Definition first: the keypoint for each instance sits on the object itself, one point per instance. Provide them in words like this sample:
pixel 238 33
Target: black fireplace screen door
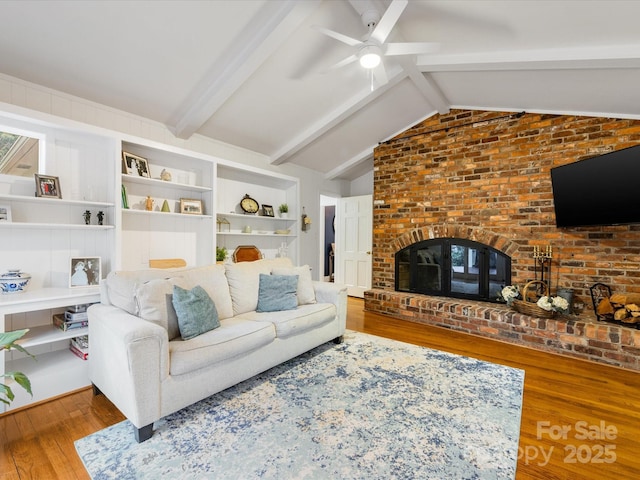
pixel 452 267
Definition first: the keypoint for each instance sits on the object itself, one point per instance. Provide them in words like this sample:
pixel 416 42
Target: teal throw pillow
pixel 196 311
pixel 277 292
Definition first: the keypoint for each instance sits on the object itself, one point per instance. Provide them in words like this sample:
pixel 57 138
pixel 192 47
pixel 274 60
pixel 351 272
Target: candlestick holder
pixel 542 260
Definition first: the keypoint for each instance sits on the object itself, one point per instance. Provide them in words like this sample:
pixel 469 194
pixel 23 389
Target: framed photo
pixel 5 213
pixel 85 272
pixel 267 210
pixel 135 165
pixel 47 186
pixel 191 206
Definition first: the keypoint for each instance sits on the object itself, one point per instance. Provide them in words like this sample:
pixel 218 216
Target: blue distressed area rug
pixel 370 408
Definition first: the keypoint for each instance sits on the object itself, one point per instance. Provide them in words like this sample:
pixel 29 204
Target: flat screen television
pixel 602 190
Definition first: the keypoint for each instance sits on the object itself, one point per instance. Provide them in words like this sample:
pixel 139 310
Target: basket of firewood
pixel 622 307
pixel 531 293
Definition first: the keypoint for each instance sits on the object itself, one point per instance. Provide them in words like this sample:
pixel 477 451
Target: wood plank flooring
pixel 37 443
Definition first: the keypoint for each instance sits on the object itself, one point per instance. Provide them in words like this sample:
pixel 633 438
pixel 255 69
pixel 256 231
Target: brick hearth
pixel 485 176
pixel 567 335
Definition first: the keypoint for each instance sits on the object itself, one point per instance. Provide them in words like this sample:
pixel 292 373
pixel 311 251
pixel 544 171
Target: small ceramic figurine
pixel 100 217
pixel 148 204
pixel 87 217
pixel 165 175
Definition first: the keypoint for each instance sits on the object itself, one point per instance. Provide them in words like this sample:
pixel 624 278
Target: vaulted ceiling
pixel 256 73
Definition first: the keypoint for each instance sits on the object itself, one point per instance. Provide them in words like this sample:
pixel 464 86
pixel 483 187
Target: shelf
pixel 57 201
pixel 50 374
pixel 130 211
pixel 256 234
pixel 42 298
pixel 48 334
pixel 254 217
pixel 53 226
pixel 161 183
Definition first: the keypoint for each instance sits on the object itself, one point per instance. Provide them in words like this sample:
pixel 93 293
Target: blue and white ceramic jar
pixel 14 281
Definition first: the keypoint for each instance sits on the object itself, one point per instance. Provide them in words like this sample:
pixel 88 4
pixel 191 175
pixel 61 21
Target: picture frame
pixel 135 165
pixel 47 186
pixel 267 210
pixel 5 213
pixel 85 272
pixel 191 206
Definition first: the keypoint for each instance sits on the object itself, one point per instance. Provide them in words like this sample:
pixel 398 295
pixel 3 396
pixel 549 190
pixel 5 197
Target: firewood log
pixel 604 307
pixel 625 298
pixel 620 314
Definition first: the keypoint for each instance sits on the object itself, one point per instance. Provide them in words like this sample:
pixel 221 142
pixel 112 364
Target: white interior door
pixel 354 218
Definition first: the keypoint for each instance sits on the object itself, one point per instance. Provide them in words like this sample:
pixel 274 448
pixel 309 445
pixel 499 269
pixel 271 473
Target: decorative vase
pixel 14 281
pixel 284 214
pixel 165 206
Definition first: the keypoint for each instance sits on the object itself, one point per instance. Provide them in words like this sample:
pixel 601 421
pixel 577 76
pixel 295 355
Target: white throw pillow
pixel 306 293
pixel 244 281
pixel 154 302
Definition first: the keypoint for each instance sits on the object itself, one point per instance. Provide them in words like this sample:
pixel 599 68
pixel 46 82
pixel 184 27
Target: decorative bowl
pixel 14 281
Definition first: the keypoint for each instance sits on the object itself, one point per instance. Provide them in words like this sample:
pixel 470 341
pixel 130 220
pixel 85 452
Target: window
pixel 452 267
pixel 18 154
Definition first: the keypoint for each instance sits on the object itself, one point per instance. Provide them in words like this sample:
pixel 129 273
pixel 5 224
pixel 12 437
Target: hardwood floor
pixel 37 443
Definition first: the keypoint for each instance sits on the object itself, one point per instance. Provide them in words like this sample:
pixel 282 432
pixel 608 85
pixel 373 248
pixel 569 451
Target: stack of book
pixel 73 317
pixel 80 346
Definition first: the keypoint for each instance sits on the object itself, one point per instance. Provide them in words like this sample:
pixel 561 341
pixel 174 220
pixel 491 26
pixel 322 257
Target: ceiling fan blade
pixel 410 48
pixel 338 36
pixel 342 63
pixel 380 74
pixel 388 20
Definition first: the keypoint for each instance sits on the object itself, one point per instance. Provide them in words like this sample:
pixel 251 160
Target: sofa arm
pixel 129 358
pixel 329 292
pixel 336 293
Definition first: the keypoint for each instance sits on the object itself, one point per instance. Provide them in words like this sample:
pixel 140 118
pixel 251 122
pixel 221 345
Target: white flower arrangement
pixel 510 293
pixel 557 304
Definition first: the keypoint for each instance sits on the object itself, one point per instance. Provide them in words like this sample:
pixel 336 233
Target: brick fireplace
pixel 484 176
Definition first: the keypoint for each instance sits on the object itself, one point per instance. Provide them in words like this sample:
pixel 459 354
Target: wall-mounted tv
pixel 602 190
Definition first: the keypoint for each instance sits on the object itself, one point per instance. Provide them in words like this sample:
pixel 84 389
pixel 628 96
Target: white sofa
pixel 139 360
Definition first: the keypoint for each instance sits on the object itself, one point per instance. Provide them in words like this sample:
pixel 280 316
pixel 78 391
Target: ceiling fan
pixel 369 52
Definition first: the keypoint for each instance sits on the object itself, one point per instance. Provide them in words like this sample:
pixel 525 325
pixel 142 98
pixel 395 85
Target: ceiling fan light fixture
pixel 370 56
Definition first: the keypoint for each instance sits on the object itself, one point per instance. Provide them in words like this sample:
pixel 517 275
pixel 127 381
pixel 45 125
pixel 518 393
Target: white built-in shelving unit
pixel 46 232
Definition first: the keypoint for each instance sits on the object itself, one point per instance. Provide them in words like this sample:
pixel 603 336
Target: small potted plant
pixel 284 210
pixel 221 254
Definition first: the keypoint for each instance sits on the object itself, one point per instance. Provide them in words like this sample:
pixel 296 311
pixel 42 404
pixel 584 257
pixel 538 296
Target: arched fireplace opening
pixel 452 267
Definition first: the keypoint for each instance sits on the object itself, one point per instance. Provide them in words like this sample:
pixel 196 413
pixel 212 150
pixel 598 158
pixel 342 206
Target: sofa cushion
pixel 122 285
pixel 233 338
pixel 277 292
pixel 294 322
pixel 196 311
pixel 214 281
pixel 153 298
pixel 305 292
pixel 244 281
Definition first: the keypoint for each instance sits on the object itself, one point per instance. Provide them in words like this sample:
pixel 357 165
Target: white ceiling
pixel 253 73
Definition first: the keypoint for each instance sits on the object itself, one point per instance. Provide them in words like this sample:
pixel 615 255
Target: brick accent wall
pixel 486 176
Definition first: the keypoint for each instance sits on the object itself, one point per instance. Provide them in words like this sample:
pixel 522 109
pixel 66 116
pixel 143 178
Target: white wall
pixel 24 94
pixel 362 185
